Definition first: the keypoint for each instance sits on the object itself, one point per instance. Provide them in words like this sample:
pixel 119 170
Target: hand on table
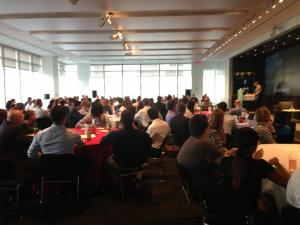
pixel 231 152
pixel 274 161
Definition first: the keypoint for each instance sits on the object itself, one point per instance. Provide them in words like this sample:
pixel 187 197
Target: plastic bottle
pixel 35 129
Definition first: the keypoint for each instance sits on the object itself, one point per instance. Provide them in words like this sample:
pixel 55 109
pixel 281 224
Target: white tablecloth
pixel 283 152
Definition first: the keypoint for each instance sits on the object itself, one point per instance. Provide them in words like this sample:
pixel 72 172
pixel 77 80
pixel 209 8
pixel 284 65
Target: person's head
pixel 237 103
pixel 62 102
pixel 20 106
pixel 127 117
pixel 29 116
pixel 159 99
pixel 153 113
pixel 217 120
pixel 263 115
pixel 191 105
pixel 96 110
pixel 3 115
pixel 29 99
pixel 146 102
pixel 246 140
pixel 39 103
pixel 222 106
pixel 9 104
pixel 104 102
pixel 198 125
pixel 171 105
pixel 181 108
pixel 185 100
pixel 15 117
pixel 255 83
pixel 77 105
pixel 59 115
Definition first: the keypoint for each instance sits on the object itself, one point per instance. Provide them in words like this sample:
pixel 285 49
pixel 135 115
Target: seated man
pixel 74 116
pixel 130 147
pixel 180 125
pixel 158 131
pixel 238 109
pixel 55 139
pixel 141 117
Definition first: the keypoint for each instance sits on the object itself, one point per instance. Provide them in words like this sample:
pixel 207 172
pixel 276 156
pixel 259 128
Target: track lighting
pixel 132 51
pixel 106 19
pixel 125 45
pixel 117 35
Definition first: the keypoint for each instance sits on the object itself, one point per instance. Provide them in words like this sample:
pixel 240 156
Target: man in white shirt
pixel 38 110
pixel 158 131
pixel 142 115
pixel 293 190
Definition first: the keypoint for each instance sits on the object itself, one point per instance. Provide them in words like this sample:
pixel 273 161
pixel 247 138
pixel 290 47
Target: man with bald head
pixel 13 142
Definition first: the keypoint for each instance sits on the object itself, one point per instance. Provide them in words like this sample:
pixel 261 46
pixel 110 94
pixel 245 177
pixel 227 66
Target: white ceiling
pixel 175 30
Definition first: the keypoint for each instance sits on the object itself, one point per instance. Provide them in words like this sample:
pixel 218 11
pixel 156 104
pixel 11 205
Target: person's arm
pixel 32 152
pixel 81 123
pixel 280 175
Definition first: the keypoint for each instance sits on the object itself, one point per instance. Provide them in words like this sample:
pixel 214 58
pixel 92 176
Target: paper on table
pixel 84 136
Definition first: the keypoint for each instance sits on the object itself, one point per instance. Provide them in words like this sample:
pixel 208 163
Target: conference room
pixel 150 112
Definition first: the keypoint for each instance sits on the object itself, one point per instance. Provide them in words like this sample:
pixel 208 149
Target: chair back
pixel 59 167
pixel 186 180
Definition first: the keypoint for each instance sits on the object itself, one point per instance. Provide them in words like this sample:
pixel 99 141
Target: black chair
pixel 60 169
pixel 129 172
pixel 290 215
pixel 8 182
pixel 187 192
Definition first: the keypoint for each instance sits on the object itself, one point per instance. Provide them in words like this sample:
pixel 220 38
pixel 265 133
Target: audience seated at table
pixel 141 117
pixel 131 146
pixel 158 130
pixel 55 139
pixel 171 106
pixel 95 118
pixel 243 173
pixel 74 115
pixel 216 135
pixel 180 125
pixel 264 126
pixel 238 109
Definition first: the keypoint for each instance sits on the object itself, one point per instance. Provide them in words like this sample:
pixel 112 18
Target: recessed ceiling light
pixel 263 51
pixel 255 50
pixel 245 28
pixel 235 35
pixel 273 47
pixel 281 1
pixel 259 17
pixel 253 21
pixel 284 43
pixel 240 32
pixel 276 41
pixel 289 35
pixel 267 12
pixel 255 54
pixel 274 6
pixel 297 38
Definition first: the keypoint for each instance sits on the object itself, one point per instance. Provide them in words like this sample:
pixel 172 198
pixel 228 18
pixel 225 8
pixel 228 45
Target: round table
pixel 291 111
pixel 284 152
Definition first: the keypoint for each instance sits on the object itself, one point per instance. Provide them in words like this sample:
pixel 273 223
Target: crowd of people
pixel 217 154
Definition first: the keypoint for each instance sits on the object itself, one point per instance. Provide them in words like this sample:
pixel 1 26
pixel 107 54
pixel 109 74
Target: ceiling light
pixel 297 38
pixel 117 35
pixel 284 43
pixel 273 48
pixel 74 1
pixel 259 17
pixel 253 21
pixel 281 1
pixel 240 32
pixel 106 18
pixel 125 45
pixel 274 6
pixel 235 35
pixel 267 12
pixel 289 35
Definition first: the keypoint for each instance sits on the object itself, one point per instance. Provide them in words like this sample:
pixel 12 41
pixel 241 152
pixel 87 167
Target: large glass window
pixel 96 80
pixel 2 88
pixel 113 81
pixel 131 81
pixel 68 81
pixel 168 79
pixel 214 85
pixel 150 81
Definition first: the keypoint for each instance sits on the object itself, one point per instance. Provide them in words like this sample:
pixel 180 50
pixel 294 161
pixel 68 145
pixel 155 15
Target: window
pixel 150 81
pixel 113 81
pixel 68 81
pixel 168 79
pixel 131 81
pixel 2 88
pixel 214 85
pixel 96 80
pixel 184 81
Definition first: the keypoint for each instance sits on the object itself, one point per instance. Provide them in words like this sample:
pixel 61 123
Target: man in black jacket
pixel 161 107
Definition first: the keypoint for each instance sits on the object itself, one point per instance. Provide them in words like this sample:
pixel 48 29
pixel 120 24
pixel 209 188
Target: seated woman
pixel 264 126
pixel 216 135
pixel 95 118
pixel 243 174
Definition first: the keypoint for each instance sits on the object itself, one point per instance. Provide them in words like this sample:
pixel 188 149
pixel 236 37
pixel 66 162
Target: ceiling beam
pixel 145 49
pixel 125 14
pixel 141 31
pixel 129 42
pixel 148 55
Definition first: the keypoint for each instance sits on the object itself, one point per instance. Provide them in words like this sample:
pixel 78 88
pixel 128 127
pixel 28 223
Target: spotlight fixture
pixel 106 19
pixel 132 51
pixel 125 45
pixel 74 1
pixel 281 1
pixel 117 35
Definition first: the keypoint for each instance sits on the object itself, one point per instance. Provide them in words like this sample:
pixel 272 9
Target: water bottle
pixel 88 134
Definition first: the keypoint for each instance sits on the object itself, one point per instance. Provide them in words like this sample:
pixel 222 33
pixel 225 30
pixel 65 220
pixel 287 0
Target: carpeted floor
pixel 155 203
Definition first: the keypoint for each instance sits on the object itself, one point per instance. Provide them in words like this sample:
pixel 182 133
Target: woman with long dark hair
pixel 243 173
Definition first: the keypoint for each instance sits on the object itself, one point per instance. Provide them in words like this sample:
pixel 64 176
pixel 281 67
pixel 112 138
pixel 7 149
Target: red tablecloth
pixel 96 155
pixel 207 113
